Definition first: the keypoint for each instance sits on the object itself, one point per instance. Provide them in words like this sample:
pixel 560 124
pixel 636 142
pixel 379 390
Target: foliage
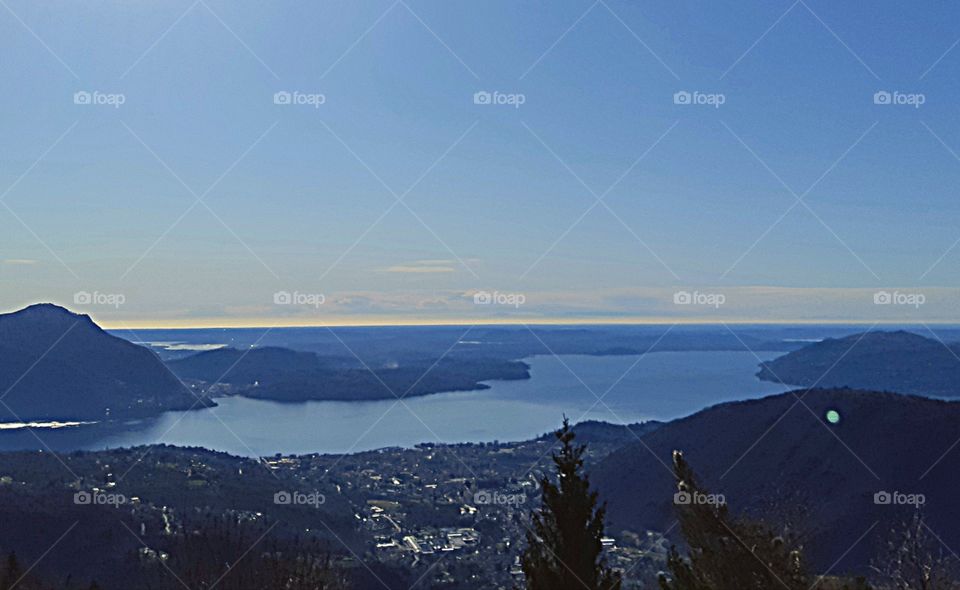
pixel 727 553
pixel 914 559
pixel 564 549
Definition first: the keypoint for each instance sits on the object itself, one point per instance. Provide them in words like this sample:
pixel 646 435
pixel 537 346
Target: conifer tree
pixel 564 549
pixel 727 553
pixel 12 572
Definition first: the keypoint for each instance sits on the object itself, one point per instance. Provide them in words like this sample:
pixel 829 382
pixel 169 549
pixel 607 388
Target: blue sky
pixel 495 197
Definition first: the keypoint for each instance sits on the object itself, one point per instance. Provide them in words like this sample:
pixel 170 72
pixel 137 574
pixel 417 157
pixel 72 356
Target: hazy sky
pixel 183 194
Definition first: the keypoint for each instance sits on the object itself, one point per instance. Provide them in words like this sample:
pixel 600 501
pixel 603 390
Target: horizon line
pixel 264 324
pixel 374 321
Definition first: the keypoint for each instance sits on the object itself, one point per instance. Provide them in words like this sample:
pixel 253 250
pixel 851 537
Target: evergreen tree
pixel 727 553
pixel 564 550
pixel 12 572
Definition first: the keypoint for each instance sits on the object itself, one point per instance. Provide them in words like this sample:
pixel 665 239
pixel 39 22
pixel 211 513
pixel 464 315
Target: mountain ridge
pixel 771 455
pixel 899 361
pixel 60 365
pixel 286 375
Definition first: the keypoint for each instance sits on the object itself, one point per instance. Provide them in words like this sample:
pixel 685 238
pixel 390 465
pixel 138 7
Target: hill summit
pixel 881 361
pixel 781 458
pixel 58 365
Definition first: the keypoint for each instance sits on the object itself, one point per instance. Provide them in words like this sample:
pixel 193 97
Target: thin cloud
pixel 423 266
pixel 19 261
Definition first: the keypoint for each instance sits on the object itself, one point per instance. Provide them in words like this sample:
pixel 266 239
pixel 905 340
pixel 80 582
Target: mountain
pixel 57 365
pixel 884 361
pixel 245 367
pixel 772 455
pixel 281 374
pixel 382 345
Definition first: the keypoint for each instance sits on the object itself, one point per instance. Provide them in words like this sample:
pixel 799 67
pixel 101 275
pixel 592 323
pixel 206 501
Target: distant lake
pixel 660 385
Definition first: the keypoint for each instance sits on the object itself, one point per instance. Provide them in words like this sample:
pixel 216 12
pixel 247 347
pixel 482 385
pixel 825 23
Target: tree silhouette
pixel 12 572
pixel 727 553
pixel 913 559
pixel 564 550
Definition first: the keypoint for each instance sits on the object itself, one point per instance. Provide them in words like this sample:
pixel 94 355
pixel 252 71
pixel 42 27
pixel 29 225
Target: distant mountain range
pixel 884 361
pixel 57 365
pixel 382 345
pixel 778 458
pixel 772 455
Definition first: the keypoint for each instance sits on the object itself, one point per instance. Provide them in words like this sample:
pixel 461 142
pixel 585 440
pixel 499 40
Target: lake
pixel 659 385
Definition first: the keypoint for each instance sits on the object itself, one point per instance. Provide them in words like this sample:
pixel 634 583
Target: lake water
pixel 660 385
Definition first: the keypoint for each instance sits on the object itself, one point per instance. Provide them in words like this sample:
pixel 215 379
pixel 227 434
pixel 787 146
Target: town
pixel 458 514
